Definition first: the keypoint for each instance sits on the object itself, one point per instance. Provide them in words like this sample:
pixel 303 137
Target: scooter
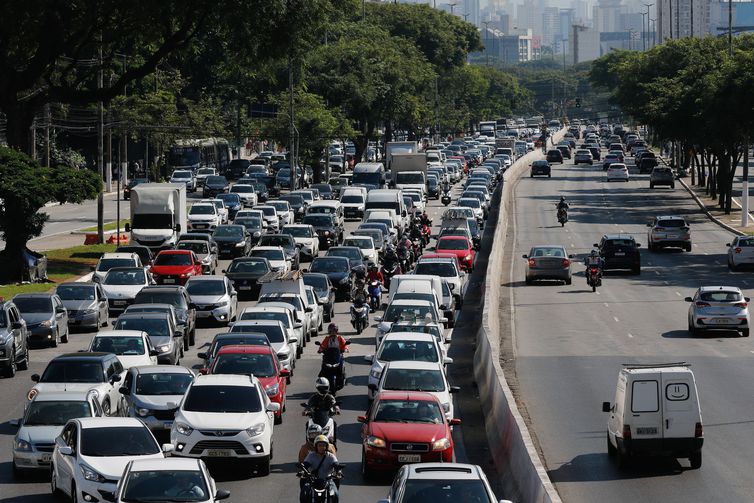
pixel 445 199
pixel 316 490
pixel 562 216
pixel 389 272
pixel 375 295
pixel 593 277
pixel 323 418
pixel 332 367
pixel 360 317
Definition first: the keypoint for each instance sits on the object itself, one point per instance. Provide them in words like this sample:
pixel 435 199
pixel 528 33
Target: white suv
pixel 226 416
pixel 203 217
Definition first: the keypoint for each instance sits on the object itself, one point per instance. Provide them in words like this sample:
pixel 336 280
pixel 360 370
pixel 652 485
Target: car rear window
pixel 721 296
pixel 614 243
pixel 671 223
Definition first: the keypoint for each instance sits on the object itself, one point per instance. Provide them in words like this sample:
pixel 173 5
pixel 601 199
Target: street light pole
pixel 647 5
pixel 452 6
pixel 730 27
pixel 487 41
pixel 653 31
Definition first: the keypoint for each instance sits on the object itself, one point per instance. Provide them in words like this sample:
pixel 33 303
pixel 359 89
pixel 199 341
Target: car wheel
pixel 365 472
pixel 651 185
pixel 64 339
pixel 106 407
pixel 528 280
pixel 692 330
pixel 24 365
pixel 672 185
pixel 696 460
pixel 568 281
pixel 185 344
pixel 688 247
pixel 192 336
pixel 74 493
pixel 263 467
pixel 56 339
pixel 54 489
pixel 745 332
pixel 10 370
pixel 621 459
pixel 611 450
pixel 636 270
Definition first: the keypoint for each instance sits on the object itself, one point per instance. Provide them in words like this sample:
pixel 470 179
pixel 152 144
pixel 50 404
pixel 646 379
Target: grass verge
pixel 110 226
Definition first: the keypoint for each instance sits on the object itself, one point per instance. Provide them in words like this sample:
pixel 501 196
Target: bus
pixel 199 153
pixel 487 128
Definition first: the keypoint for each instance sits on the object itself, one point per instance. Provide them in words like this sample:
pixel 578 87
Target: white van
pixel 388 199
pixel 353 200
pixel 326 207
pixel 656 411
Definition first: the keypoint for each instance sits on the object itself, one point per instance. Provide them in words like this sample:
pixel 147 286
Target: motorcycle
pixel 404 258
pixel 445 199
pixel 375 295
pixel 388 271
pixel 593 277
pixel 562 216
pixel 332 367
pixel 323 418
pixel 359 289
pixel 360 317
pixel 319 490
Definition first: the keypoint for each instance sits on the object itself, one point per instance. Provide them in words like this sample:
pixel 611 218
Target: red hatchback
pixel 175 267
pixel 262 362
pixel 459 246
pixel 405 427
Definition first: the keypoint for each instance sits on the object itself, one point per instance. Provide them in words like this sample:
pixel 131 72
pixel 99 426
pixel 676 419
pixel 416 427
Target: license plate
pixel 619 254
pixel 168 280
pixel 647 431
pixel 119 302
pixel 46 458
pixel 167 425
pixel 723 321
pixel 409 458
pixel 200 226
pixel 244 288
pixel 219 453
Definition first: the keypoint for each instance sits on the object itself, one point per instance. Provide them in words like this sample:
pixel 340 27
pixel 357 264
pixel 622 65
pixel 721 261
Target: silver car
pixel 740 252
pixel 152 393
pixel 14 340
pixel 548 262
pixel 204 253
pixel 86 304
pixel 46 317
pixel 718 308
pixel 214 297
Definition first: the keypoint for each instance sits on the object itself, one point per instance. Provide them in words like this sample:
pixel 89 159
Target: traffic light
pixel 578 102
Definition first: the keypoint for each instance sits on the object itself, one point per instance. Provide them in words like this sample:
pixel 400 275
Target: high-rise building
pixel 682 18
pixel 550 26
pixel 565 21
pixel 471 11
pixel 606 15
pixel 743 17
pixel 529 15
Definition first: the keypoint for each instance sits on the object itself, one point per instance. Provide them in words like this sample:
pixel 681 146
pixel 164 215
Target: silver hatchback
pixel 548 262
pixel 718 308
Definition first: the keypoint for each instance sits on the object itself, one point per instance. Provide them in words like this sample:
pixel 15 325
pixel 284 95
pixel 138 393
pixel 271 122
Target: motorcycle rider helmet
pixel 332 329
pixel 372 266
pixel 313 431
pixel 594 253
pixel 322 439
pixel 322 385
pixel 359 301
pixel 562 199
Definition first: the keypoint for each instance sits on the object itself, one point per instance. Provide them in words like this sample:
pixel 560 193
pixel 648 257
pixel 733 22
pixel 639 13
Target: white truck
pixel 409 171
pixel 158 214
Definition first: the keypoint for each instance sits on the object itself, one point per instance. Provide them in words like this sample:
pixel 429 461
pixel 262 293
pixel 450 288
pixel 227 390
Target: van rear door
pixel 680 407
pixel 644 413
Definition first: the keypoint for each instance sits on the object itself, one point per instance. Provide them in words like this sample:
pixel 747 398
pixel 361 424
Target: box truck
pixel 409 171
pixel 158 214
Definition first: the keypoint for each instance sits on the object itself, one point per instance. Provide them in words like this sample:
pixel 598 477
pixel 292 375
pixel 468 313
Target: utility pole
pixel 100 155
pixel 47 134
pixel 670 18
pixel 487 41
pixel 730 27
pixel 691 24
pixel 647 5
pixel 653 31
pixel 678 19
pixel 745 188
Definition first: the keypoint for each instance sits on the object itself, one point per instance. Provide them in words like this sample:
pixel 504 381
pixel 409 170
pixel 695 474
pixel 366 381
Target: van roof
pixel 653 368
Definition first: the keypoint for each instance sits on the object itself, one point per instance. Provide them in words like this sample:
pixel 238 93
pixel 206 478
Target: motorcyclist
pixel 312 433
pixel 322 399
pixel 390 258
pixel 322 463
pixel 374 274
pixel 333 339
pixel 563 204
pixel 594 259
pixel 425 220
pixel 405 247
pixel 416 231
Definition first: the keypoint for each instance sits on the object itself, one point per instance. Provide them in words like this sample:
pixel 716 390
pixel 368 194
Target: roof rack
pixel 284 276
pixel 655 365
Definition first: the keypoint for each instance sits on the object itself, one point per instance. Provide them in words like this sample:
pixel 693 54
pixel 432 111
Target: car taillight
pixel 532 262
pixel 702 304
pixel 565 262
pixel 741 304
pixel 626 432
pixel 738 250
pixel 698 430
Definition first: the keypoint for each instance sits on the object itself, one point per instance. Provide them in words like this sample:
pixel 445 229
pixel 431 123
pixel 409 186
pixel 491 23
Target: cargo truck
pixel 409 171
pixel 158 214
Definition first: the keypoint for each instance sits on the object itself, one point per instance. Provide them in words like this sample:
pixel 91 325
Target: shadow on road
pixel 598 467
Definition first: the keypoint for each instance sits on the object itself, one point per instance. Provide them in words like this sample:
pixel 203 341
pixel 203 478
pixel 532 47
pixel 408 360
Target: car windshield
pixel 279 205
pixel 265 316
pixel 413 380
pixel 327 210
pixel 206 287
pixel 162 383
pixel 33 304
pixel 75 292
pixel 351 254
pixel 299 232
pixel 250 223
pixel 284 241
pixel 229 231
pixel 118 441
pixel 260 365
pixel 421 351
pixel 323 264
pixel 155 327
pixel 293 200
pixel 274 332
pixel 106 264
pixel 242 189
pixel 125 277
pixel 469 203
pixel 249 266
pixel 226 399
pixel 198 247
pixel 294 301
pixel 671 223
pixel 268 254
pixel 401 312
pixel 173 259
pixel 319 220
pixel 206 171
pixel 164 485
pixel 408 411
pixel 217 180
pixel 452 244
pixel 721 296
pixel 358 242
pixel 203 209
pixel 229 198
pixel 182 174
pixel 55 412
pixel 614 243
pixel 165 297
pixel 73 371
pixel 444 269
pixel 121 346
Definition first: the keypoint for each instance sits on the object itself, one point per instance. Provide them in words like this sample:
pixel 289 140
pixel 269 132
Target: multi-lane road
pixel 281 484
pixel 570 343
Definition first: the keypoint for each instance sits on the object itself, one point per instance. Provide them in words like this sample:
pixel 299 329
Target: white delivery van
pixel 388 199
pixel 656 411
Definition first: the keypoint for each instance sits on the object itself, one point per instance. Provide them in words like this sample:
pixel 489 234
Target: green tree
pixel 25 188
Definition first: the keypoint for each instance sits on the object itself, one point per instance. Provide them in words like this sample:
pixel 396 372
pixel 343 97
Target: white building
pixel 682 18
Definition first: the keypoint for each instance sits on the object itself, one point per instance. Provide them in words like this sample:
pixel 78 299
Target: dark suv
pixel 554 155
pixel 661 175
pixel 178 297
pixel 14 340
pixel 620 251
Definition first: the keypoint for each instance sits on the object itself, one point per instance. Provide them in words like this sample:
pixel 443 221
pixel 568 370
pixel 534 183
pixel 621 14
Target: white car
pixel 617 171
pixel 280 341
pixel 285 213
pixel 202 174
pixel 305 237
pixel 318 312
pixel 275 255
pixel 406 310
pixel 475 205
pixel 203 217
pixel 445 268
pixel 91 453
pixel 247 194
pixel 109 260
pixel 417 376
pixel 214 297
pixel 405 346
pixel 185 177
pixel 445 481
pixel 122 284
pixel 171 479
pixel 740 252
pixel 718 308
pixel 132 347
pixel 44 418
pixel 353 204
pixel 226 416
pixel 270 215
pixel 363 243
pixel 282 312
pixel 221 209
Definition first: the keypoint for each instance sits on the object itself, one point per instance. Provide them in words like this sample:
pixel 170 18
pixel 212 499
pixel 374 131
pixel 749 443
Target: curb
pixel 707 212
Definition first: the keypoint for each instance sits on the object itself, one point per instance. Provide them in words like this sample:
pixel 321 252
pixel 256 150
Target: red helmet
pixel 332 328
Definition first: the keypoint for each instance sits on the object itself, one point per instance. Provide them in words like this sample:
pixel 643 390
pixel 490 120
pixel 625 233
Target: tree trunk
pixel 19 120
pixel 13 260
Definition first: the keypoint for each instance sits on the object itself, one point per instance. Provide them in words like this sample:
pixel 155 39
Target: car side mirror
pixel 524 256
pixel 595 245
pixel 378 319
pixel 66 450
pixel 92 268
pixel 372 386
pixel 203 356
pixel 222 494
pixel 128 227
pixel 606 407
pixel 649 224
pixel 153 352
pixel 727 244
pixel 177 333
pixel 293 339
pixel 447 360
pixel 177 227
pixel 17 325
pixel 15 422
pixel 285 373
pixel 361 419
pixel 192 305
pixel 168 448
pixel 124 391
pixel 273 407
pixel 638 245
pixel 114 379
pixel 35 377
pixel 454 389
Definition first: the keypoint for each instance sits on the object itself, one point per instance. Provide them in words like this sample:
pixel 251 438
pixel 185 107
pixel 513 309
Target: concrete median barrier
pixel 524 478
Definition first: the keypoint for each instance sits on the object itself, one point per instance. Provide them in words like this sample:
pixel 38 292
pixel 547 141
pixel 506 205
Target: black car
pixel 325 190
pixel 565 150
pixel 338 271
pixel 253 226
pixel 554 155
pixel 144 253
pixel 540 168
pixel 324 290
pixel 133 183
pixel 176 296
pixel 232 203
pixel 352 253
pixel 268 181
pixel 327 229
pixel 595 150
pixel 236 168
pixel 433 188
pixel 214 185
pixel 199 236
pixel 245 272
pixel 263 193
pixel 620 251
pixel 297 204
pixel 233 240
pixel 285 241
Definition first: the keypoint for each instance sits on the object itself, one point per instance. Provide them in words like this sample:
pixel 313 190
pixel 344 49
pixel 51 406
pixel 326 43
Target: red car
pixel 464 163
pixel 405 427
pixel 175 267
pixel 459 246
pixel 260 361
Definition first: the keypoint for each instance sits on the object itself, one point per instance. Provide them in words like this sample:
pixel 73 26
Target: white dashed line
pixel 616 319
pixel 666 282
pixel 744 282
pixel 678 293
pixel 717 262
pixel 606 304
pixel 630 336
pixel 657 273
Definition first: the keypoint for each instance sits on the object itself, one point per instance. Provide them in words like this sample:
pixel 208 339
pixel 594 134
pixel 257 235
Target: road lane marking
pixel 744 282
pixel 616 319
pixel 657 273
pixel 717 261
pixel 678 293
pixel 630 336
pixel 606 304
pixel 666 282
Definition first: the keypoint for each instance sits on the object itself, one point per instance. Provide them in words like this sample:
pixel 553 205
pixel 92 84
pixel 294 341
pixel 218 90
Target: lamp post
pixel 487 42
pixel 452 6
pixel 647 5
pixel 653 31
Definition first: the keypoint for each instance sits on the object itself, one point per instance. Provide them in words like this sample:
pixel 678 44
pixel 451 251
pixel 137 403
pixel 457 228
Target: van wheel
pixel 611 450
pixel 696 460
pixel 621 459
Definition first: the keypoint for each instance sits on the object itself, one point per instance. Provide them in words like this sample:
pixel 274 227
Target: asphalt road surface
pixel 281 484
pixel 570 343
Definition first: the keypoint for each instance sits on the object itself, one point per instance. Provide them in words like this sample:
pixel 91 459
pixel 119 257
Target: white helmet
pixel 313 431
pixel 322 385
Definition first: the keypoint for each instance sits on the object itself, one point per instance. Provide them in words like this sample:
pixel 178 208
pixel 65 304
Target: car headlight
pixel 376 442
pixel 441 444
pixel 240 244
pixel 21 445
pixel 327 233
pixel 284 355
pixel 206 260
pixel 222 304
pixel 446 407
pixel 183 428
pixel 300 210
pixel 45 324
pixel 143 412
pixel 375 374
pixel 255 430
pixel 89 311
pixel 273 389
pixel 90 473
pixel 467 257
pixel 187 274
pixel 163 349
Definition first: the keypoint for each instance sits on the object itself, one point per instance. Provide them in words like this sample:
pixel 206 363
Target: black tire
pixel 192 336
pixel 745 332
pixel 688 248
pixel 54 489
pixel 621 459
pixel 64 339
pixel 74 493
pixel 568 281
pixel 366 474
pixel 263 467
pixel 594 287
pixel 672 185
pixel 106 408
pixel 529 281
pixel 56 339
pixel 636 270
pixel 25 364
pixel 692 330
pixel 185 343
pixel 10 370
pixel 611 450
pixel 696 460
pixel 651 185
pixel 279 419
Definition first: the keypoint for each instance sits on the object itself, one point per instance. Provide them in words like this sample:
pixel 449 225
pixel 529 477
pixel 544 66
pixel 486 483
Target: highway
pixel 281 484
pixel 570 343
